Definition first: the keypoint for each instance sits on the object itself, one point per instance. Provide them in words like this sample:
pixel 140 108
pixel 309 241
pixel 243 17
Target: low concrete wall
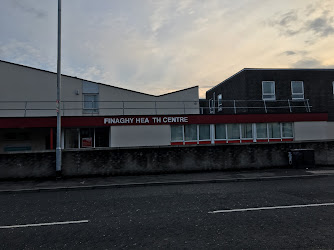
pixel 126 161
pixel 27 165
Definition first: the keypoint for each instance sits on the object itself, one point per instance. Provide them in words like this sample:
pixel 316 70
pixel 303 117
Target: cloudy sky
pixel 158 46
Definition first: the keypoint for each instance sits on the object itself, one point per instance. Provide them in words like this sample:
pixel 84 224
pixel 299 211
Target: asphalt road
pixel 174 217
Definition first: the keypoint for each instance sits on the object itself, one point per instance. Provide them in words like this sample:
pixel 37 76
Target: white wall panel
pixel 145 135
pixel 307 131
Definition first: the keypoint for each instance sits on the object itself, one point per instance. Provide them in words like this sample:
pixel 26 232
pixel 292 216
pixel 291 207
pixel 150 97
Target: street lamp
pixel 58 102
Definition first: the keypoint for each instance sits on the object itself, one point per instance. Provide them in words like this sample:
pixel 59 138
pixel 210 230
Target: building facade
pixel 252 106
pixel 28 112
pixel 279 91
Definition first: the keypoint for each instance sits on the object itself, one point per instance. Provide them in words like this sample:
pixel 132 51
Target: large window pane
pixel 233 131
pixel 246 131
pixel 268 90
pixel 297 90
pixel 87 137
pixel 287 130
pixel 71 138
pixel 90 103
pixel 204 132
pixel 220 102
pixel 274 130
pixel 177 133
pixel 220 131
pixel 190 132
pixel 261 130
pixel 102 137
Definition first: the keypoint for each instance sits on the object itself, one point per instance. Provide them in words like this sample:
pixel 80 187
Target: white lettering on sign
pixel 145 120
pixel 118 120
pixel 174 119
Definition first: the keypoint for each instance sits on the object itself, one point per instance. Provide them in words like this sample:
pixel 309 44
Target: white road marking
pixel 46 224
pixel 270 208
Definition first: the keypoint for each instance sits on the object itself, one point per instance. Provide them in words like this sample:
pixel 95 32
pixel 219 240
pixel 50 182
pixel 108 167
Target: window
pixel 268 90
pixel 246 131
pixel 211 106
pixel 220 131
pixel 101 137
pixel 297 90
pixel 87 138
pixel 204 132
pixel 90 103
pixel 220 102
pixel 71 138
pixel 233 131
pixel 177 133
pixel 274 130
pixel 190 132
pixel 287 131
pixel 90 93
pixel 261 130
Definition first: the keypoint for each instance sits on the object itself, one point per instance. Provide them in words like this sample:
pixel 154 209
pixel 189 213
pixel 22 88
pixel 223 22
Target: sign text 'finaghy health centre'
pixel 145 120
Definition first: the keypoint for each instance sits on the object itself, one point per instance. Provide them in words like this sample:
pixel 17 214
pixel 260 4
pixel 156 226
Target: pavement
pixel 38 185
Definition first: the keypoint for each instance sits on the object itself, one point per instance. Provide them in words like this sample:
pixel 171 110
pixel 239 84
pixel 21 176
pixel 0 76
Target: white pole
pixel 58 147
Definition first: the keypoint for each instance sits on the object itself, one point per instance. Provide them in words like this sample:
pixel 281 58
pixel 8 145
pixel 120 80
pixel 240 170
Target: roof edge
pixel 74 77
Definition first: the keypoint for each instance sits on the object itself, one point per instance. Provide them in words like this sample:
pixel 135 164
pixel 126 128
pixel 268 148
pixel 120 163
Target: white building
pixel 28 111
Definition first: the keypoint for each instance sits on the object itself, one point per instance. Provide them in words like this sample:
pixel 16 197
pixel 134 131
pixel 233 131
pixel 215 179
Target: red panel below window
pixel 176 143
pixel 288 139
pixel 238 141
pixel 262 140
pixel 220 142
pixel 246 141
pixel 274 140
pixel 191 142
pixel 204 142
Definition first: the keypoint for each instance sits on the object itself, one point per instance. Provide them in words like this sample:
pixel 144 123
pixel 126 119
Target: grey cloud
pixel 287 18
pixel 310 9
pixel 26 7
pixel 287 23
pixel 295 52
pixel 290 24
pixel 310 63
pixel 289 53
pixel 321 26
pixel 307 63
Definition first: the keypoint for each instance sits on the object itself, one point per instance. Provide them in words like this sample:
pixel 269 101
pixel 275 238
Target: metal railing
pixel 76 108
pixel 105 107
pixel 256 106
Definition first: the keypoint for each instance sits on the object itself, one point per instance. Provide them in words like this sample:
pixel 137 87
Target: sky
pixel 159 46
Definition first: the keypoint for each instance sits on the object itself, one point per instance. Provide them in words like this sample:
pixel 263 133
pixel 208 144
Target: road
pixel 261 214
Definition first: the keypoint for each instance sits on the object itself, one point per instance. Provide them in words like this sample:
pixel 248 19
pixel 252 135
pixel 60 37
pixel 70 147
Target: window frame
pixel 215 135
pixel 198 132
pixel 228 135
pixel 242 125
pixel 220 102
pixel 274 94
pixel 292 92
pixel 171 139
pixel 257 134
pixel 292 130
pixel 279 129
pixel 95 109
pixel 211 106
